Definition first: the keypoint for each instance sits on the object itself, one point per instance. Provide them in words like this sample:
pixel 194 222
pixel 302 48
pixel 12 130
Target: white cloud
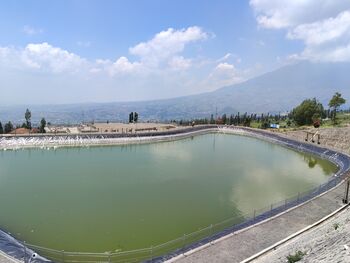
pixel 166 44
pixel 179 63
pixel 320 32
pixel 289 13
pixel 161 53
pixel 29 30
pixel 123 65
pixel 42 57
pixel 46 57
pixel 323 26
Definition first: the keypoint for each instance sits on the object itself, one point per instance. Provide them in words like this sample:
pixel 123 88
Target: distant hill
pixel 277 91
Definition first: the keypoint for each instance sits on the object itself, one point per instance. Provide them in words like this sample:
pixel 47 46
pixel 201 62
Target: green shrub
pixel 296 257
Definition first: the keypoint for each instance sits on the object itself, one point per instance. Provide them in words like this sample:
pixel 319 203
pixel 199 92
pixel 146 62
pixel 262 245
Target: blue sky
pixel 85 51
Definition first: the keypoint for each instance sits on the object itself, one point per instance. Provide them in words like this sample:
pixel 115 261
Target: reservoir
pixel 118 198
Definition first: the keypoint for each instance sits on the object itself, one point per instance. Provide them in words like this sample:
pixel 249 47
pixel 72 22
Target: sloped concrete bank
pixel 18 250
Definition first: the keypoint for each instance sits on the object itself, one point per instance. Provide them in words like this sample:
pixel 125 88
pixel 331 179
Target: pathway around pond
pixel 7 259
pixel 250 241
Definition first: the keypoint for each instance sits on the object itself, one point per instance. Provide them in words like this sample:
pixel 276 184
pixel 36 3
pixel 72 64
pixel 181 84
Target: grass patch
pixel 336 226
pixel 296 257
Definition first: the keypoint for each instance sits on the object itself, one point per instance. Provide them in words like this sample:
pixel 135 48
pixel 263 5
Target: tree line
pixel 309 112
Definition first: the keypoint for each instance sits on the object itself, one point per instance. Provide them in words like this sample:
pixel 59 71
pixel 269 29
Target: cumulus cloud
pixel 43 57
pixel 46 57
pixel 289 13
pixel 168 42
pixel 160 53
pixel 179 63
pixel 323 26
pixel 123 65
pixel 320 32
pixel 164 45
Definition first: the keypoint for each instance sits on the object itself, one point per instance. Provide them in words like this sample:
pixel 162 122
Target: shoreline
pixel 99 139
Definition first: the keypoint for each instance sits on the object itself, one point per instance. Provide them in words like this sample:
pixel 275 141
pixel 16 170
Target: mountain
pixel 276 91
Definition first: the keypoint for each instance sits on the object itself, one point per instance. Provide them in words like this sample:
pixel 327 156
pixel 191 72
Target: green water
pixel 127 197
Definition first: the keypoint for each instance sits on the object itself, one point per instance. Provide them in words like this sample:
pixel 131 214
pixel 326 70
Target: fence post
pixel 298 196
pixel 254 214
pixel 346 194
pixel 109 257
pixel 152 253
pixel 62 256
pixel 183 241
pixel 25 252
pixel 271 207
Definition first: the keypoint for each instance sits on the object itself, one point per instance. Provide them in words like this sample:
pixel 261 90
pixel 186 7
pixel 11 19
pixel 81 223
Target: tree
pixel 42 125
pixel 28 116
pixel 1 128
pixel 224 119
pixel 306 111
pixel 335 103
pixel 8 127
pixel 131 117
pixel 212 121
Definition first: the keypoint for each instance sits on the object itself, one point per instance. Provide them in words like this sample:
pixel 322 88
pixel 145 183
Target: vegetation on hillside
pixel 309 112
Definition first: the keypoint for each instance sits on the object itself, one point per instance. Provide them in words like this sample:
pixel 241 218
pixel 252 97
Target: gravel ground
pixel 335 138
pixel 323 244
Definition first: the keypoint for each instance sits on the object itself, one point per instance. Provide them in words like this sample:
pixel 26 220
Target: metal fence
pixel 188 241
